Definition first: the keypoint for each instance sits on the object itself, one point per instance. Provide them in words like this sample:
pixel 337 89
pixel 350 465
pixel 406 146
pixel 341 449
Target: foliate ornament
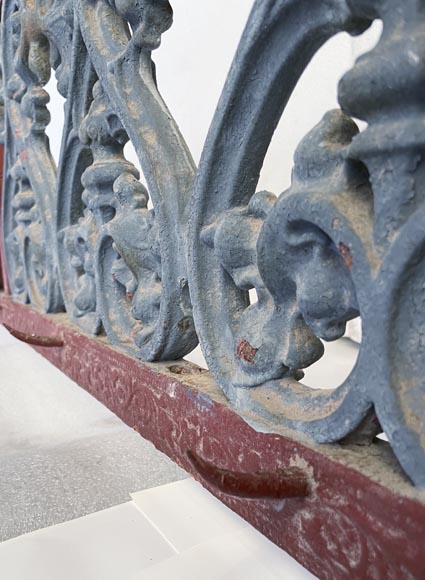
pixel 142 293
pixel 76 228
pixel 114 246
pixel 345 240
pixel 30 180
pixel 385 88
pixel 2 120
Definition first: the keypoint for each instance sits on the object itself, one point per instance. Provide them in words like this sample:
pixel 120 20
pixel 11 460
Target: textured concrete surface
pixel 62 454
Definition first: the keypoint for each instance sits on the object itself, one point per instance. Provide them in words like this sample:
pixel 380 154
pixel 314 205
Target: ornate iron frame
pixel 345 240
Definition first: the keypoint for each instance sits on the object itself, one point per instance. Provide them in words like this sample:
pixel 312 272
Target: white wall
pixel 192 64
pixel 193 61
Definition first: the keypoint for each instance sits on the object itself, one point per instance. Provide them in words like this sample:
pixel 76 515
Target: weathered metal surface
pixel 3 278
pixel 29 181
pixel 361 519
pixel 139 259
pixel 85 226
pixel 345 240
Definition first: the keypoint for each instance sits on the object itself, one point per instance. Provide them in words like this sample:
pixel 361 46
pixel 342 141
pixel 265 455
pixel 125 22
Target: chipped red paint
pixel 346 254
pixel 246 352
pixel 350 526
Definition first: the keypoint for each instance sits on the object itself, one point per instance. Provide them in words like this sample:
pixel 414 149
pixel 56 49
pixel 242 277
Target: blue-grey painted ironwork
pixel 331 247
pixel 76 230
pixel 345 240
pixel 142 287
pixel 30 182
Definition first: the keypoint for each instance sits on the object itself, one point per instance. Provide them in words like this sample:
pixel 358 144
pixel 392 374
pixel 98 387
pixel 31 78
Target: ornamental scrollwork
pixel 343 240
pixel 156 258
pixel 142 291
pixel 29 190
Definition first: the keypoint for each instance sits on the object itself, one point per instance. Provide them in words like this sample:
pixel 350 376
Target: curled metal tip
pixel 281 484
pixel 35 339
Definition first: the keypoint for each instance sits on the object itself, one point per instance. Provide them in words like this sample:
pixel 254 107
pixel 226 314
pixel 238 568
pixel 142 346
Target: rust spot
pixel 23 154
pixel 184 324
pixel 245 351
pixel 130 295
pixel 376 422
pixel 345 253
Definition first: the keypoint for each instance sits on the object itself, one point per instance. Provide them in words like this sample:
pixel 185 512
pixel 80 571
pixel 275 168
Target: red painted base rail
pixel 342 511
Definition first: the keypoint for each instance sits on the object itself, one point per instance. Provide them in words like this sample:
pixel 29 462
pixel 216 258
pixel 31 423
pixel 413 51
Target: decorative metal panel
pixel 345 240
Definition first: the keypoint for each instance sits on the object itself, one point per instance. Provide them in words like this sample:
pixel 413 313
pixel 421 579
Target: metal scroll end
pixel 35 339
pixel 291 482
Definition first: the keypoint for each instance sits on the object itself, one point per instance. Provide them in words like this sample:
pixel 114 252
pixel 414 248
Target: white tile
pixel 222 558
pixel 213 543
pixel 277 561
pixel 243 556
pixel 120 543
pixel 187 514
pixel 113 544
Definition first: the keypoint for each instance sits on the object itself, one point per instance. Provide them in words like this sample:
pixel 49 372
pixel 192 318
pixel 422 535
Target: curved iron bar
pixel 281 484
pixel 35 339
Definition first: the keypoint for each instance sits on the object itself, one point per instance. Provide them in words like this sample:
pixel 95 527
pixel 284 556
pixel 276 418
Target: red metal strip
pixel 361 519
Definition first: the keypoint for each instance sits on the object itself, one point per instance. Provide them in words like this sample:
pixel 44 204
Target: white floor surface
pixel 173 532
pixel 68 467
